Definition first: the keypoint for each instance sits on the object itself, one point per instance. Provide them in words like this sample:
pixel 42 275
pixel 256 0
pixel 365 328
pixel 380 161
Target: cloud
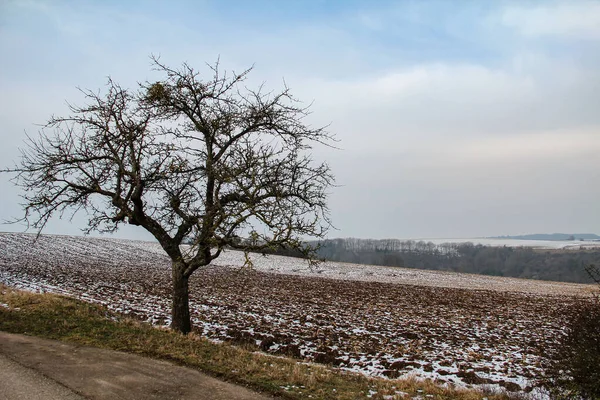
pixel 555 146
pixel 455 148
pixel 430 105
pixel 470 119
pixel 573 19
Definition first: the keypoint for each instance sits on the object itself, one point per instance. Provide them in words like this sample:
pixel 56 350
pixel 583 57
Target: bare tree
pixel 188 159
pixel 594 272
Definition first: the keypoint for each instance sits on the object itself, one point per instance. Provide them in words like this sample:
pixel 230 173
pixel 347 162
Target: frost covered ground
pixel 456 328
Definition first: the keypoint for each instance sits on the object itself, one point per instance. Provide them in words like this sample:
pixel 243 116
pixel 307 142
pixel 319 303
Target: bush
pixel 574 368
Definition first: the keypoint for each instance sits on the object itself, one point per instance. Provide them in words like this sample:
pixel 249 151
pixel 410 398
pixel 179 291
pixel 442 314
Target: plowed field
pixel 392 322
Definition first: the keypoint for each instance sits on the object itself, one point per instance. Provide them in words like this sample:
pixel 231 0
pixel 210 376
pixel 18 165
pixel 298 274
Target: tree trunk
pixel 180 313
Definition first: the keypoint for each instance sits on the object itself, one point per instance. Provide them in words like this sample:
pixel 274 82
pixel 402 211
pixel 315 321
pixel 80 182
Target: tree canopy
pixel 188 158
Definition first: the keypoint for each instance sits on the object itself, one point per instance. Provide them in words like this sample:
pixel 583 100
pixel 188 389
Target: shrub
pixel 574 367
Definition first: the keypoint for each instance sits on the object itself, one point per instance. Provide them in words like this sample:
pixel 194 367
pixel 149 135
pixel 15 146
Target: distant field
pixel 541 244
pixel 457 328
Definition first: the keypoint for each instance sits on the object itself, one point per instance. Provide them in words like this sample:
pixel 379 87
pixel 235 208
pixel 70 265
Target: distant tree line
pixel 518 262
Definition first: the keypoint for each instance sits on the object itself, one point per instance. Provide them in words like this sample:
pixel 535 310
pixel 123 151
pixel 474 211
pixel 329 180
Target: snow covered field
pixel 457 328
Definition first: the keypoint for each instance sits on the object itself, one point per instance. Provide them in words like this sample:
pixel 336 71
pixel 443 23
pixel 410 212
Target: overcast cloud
pixel 455 119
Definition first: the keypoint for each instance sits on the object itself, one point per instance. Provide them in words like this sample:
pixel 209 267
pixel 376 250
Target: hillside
pixel 72 251
pixel 457 328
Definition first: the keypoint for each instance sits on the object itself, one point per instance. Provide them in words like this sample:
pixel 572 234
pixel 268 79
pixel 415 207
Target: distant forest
pixel 517 262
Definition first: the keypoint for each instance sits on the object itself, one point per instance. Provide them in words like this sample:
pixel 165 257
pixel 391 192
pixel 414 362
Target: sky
pixel 454 119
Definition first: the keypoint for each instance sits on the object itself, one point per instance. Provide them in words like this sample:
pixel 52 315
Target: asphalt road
pixel 21 383
pixel 32 368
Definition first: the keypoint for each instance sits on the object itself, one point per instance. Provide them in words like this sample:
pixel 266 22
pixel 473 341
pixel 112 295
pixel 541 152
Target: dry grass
pixel 69 320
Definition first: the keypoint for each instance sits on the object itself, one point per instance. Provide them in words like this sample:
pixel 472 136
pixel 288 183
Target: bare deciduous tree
pixel 594 272
pixel 186 158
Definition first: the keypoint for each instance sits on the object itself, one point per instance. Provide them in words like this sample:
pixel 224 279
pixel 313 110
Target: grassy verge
pixel 69 320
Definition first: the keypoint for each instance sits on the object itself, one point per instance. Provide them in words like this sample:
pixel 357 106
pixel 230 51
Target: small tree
pixel 202 160
pixel 594 273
